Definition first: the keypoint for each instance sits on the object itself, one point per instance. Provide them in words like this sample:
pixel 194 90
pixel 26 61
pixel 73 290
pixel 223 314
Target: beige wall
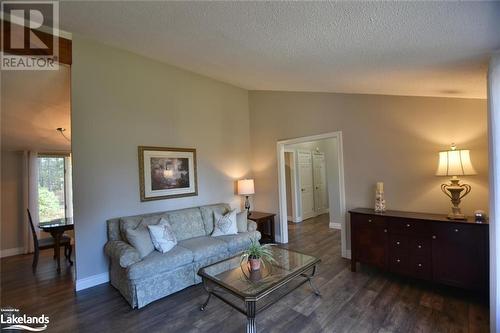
pixel 12 198
pixel 120 101
pixel 393 139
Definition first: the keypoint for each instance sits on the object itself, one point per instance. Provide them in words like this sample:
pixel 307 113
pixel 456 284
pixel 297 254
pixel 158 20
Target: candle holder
pixel 379 202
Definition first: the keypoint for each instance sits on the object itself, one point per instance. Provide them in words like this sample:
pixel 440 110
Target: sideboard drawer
pixel 407 226
pixel 421 246
pixel 399 243
pixel 421 267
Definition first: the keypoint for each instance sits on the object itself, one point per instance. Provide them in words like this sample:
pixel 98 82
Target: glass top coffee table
pixel 251 292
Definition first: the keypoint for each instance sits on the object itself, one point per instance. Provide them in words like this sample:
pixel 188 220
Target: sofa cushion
pixel 186 223
pixel 157 262
pixel 240 241
pixel 132 222
pixel 204 247
pixel 225 224
pixel 207 212
pixel 163 236
pixel 140 239
pixel 242 221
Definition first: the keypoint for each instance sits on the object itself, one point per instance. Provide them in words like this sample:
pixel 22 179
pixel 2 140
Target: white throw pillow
pixel 163 236
pixel 225 224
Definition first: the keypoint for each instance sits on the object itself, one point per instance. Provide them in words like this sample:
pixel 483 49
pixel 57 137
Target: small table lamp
pixel 455 163
pixel 246 188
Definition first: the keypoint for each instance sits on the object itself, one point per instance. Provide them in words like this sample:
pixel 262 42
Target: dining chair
pixel 48 243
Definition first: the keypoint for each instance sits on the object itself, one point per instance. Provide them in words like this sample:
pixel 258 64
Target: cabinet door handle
pixel 419 246
pixel 398 261
pixel 408 225
pixel 434 237
pixel 419 265
pixel 369 220
pixel 456 230
pixel 385 230
pixel 398 243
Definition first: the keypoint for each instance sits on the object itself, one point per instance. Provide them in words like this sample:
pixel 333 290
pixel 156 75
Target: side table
pixel 265 224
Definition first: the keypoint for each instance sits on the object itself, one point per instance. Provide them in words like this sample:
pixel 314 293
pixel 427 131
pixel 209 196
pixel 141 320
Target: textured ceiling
pixel 401 48
pixel 34 104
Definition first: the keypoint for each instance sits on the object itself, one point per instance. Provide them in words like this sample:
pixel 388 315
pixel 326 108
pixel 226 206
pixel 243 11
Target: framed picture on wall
pixel 167 173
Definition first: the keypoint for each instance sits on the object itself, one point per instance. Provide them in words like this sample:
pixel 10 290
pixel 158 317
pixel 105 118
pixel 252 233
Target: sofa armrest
pixel 252 226
pixel 122 252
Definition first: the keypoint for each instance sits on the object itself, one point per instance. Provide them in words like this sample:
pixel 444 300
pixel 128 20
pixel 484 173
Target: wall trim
pixel 11 252
pixel 335 225
pixel 91 281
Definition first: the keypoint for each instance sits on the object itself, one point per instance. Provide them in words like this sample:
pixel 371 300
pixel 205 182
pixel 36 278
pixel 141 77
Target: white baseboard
pixel 335 225
pixel 347 254
pixel 321 212
pixel 11 252
pixel 92 281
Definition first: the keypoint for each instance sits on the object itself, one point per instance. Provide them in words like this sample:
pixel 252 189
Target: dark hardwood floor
pixel 366 301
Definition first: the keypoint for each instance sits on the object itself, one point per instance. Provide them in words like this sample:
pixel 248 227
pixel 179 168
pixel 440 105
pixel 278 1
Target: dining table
pixel 56 228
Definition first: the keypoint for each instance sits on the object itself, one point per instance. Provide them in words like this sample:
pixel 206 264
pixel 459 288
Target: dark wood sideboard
pixel 423 246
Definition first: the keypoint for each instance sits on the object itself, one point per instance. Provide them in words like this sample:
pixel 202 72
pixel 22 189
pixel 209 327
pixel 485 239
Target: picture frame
pixel 166 173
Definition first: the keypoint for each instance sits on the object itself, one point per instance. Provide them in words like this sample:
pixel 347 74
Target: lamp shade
pixel 455 163
pixel 246 187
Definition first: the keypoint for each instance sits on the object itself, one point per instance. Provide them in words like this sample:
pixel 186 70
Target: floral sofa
pixel 142 281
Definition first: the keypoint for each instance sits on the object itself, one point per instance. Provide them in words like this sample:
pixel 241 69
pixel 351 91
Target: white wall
pixel 494 141
pixel 120 101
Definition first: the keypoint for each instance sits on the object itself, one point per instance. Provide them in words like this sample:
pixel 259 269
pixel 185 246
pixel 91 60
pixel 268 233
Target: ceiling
pixel 396 48
pixel 34 104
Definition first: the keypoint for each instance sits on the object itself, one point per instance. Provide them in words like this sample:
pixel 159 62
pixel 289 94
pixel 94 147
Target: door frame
pixel 293 185
pixel 282 235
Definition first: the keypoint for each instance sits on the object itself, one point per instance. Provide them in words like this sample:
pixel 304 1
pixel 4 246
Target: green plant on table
pixel 258 251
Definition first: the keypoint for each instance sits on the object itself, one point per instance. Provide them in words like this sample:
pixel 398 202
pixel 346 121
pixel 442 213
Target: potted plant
pixel 256 253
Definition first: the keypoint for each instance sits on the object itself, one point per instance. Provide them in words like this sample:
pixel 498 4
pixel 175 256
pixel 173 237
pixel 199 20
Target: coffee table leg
pixel 204 306
pixel 309 278
pixel 251 325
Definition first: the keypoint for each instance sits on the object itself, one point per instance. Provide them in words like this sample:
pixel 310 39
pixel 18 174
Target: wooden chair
pixel 48 243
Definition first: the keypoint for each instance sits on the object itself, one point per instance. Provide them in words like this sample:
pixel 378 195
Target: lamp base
pixel 247 205
pixel 454 192
pixel 454 216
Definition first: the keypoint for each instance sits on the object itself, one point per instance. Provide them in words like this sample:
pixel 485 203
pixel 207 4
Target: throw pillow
pixel 163 236
pixel 140 239
pixel 225 224
pixel 241 221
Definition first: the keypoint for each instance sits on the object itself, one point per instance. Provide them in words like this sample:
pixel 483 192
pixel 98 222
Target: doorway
pixel 311 182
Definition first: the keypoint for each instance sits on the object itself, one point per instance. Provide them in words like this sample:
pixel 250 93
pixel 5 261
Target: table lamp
pixel 455 163
pixel 246 188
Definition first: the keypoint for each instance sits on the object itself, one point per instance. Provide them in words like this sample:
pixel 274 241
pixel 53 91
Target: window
pixel 54 187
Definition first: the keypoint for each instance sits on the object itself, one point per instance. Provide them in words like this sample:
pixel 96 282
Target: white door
pixel 306 183
pixel 320 187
